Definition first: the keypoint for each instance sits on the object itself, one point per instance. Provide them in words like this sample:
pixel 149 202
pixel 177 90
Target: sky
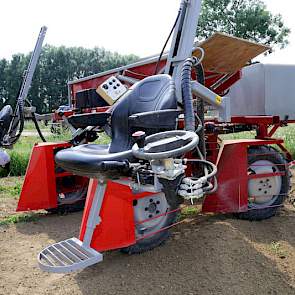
pixel 126 26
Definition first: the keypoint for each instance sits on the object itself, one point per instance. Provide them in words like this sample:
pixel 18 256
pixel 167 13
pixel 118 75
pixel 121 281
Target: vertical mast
pixel 183 40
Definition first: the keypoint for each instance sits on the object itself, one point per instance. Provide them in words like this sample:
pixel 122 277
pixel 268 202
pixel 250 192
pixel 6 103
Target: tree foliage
pixel 248 19
pixel 57 65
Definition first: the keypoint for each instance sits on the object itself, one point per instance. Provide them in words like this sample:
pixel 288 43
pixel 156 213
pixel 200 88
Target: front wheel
pixel 266 194
pixel 155 230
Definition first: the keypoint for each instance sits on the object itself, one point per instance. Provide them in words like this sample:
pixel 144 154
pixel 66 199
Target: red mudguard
pixel 117 227
pixel 39 187
pixel 233 178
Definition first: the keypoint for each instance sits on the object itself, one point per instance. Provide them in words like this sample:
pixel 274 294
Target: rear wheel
pixel 266 194
pixel 71 195
pixel 155 230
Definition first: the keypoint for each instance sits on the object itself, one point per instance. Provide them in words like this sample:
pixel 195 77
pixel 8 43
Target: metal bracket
pixel 225 110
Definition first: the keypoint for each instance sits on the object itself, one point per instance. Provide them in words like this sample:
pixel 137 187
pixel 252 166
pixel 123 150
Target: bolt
pixel 150 216
pixel 158 202
pixel 151 200
pixel 157 212
pixel 145 209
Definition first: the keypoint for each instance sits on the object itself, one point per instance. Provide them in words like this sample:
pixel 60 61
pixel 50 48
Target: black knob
pixel 105 86
pixel 139 138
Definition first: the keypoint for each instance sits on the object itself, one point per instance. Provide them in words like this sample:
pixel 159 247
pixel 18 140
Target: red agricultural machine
pixel 163 150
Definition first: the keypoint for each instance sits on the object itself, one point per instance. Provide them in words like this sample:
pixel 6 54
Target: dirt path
pixel 209 255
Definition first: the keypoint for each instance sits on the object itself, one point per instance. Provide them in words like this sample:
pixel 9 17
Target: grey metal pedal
pixel 67 256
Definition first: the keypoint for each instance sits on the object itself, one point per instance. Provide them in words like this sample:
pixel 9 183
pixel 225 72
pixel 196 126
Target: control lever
pixel 139 138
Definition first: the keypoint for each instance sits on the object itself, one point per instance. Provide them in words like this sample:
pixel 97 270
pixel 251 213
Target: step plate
pixel 67 256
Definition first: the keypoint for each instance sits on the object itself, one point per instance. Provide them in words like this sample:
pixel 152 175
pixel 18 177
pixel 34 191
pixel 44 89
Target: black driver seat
pixel 151 94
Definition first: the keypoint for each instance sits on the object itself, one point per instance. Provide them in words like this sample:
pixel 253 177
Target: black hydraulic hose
pixel 187 96
pixel 163 49
pixel 38 127
pixel 19 112
pixel 200 109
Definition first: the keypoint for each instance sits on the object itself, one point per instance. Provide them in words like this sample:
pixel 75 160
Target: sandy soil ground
pixel 208 255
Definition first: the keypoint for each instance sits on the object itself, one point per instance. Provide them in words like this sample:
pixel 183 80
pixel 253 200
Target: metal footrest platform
pixel 67 256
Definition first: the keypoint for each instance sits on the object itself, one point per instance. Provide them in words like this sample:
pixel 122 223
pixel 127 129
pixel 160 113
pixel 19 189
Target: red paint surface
pixel 117 228
pixel 39 187
pixel 232 175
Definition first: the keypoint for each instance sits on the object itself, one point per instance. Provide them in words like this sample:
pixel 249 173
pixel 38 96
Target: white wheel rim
pixel 149 208
pixel 263 191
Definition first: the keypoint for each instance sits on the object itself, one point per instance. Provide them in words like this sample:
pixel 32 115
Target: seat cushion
pixel 93 160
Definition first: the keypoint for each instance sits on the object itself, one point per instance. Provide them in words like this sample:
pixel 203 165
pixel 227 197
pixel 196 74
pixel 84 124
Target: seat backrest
pixel 151 94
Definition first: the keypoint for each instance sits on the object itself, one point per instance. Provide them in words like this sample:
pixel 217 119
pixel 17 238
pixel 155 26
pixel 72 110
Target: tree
pixel 3 65
pixel 13 76
pixel 57 65
pixel 248 19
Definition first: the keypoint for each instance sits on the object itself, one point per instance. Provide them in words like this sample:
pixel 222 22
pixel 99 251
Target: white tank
pixel 265 89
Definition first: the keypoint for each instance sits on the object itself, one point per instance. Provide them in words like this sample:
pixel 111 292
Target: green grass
pixel 276 248
pixel 288 135
pixel 11 190
pixel 26 217
pixel 189 211
pixel 29 125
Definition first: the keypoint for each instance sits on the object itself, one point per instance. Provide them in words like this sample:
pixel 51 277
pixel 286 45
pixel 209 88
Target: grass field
pixel 21 151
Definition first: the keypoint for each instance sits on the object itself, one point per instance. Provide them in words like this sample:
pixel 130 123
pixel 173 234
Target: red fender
pixel 117 227
pixel 39 187
pixel 232 175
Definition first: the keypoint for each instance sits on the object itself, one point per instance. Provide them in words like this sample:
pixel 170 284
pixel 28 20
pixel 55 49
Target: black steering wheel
pixel 164 145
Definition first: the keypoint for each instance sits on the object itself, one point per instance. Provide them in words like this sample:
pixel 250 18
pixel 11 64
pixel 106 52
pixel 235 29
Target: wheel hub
pixel 152 208
pixel 147 209
pixel 263 191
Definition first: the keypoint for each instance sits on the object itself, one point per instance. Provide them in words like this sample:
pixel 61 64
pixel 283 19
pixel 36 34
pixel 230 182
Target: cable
pixel 211 165
pixel 38 127
pixel 163 49
pixel 187 96
pixel 200 108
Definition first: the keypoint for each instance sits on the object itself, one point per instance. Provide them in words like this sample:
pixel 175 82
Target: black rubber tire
pixel 70 208
pixel 174 201
pixel 270 154
pixel 65 209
